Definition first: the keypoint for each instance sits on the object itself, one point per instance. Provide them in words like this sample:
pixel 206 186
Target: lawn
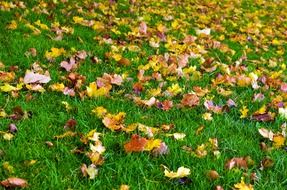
pixel 121 94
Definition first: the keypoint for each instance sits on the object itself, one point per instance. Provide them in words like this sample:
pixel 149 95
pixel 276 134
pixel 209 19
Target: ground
pixel 117 94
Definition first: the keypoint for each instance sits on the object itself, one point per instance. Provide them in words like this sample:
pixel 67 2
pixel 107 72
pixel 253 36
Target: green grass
pixel 58 168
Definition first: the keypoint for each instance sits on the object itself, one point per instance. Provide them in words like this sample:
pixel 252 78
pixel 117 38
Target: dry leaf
pixel 180 173
pixel 136 144
pixel 32 77
pixel 14 182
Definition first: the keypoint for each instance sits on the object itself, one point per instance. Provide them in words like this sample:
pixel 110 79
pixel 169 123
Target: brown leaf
pixel 190 100
pixel 266 163
pixel 70 124
pixel 236 162
pixel 212 175
pixel 265 117
pixel 136 144
pixel 124 61
pixel 14 182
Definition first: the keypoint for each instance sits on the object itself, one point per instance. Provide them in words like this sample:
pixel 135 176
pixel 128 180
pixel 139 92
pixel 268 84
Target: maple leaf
pixel 190 100
pixel 207 116
pixel 151 144
pixel 100 111
pixel 59 87
pixel 114 122
pixel 13 25
pixel 236 162
pixel 244 112
pixel 8 88
pixel 243 186
pixel 180 173
pixel 278 140
pixel 92 171
pixel 137 144
pixel 94 91
pixel 54 53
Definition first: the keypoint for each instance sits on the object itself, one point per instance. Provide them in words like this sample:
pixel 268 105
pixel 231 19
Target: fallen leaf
pixel 8 136
pixel 244 112
pixel 179 136
pixel 278 140
pixel 32 77
pixel 180 173
pixel 266 133
pixel 14 182
pixel 66 134
pixel 136 144
pixel 8 167
pixel 190 100
pixel 151 144
pixel 243 186
pixel 212 175
pixel 161 150
pixel 124 187
pixel 92 171
pixel 236 162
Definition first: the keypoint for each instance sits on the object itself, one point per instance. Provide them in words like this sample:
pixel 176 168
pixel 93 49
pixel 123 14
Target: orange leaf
pixel 137 144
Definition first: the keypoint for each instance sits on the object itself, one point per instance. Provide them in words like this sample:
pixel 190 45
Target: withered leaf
pixel 14 182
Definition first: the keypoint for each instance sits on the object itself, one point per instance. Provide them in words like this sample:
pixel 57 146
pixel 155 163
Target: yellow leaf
pixel 244 112
pixel 92 171
pixel 66 134
pixel 93 91
pixel 8 167
pixel 100 111
pixel 262 110
pixel 3 113
pixel 12 25
pixel 117 56
pixel 98 26
pixel 201 151
pixel 78 20
pixel 124 187
pixel 59 87
pixel 8 88
pixel 55 52
pixel 180 173
pixel 179 136
pixel 41 25
pixel 8 136
pixel 68 107
pixel 243 186
pixel 174 89
pixel 278 140
pixel 151 144
pixel 207 116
